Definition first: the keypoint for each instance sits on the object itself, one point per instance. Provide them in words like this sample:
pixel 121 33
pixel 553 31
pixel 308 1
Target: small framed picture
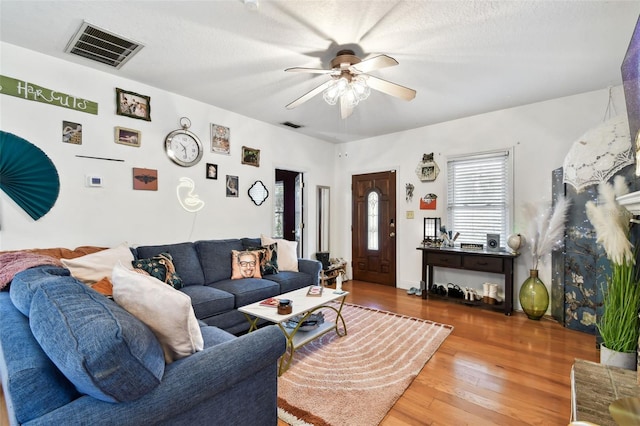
pixel 145 179
pixel 72 132
pixel 220 139
pixel 133 105
pixel 251 156
pixel 129 137
pixel 232 186
pixel 212 171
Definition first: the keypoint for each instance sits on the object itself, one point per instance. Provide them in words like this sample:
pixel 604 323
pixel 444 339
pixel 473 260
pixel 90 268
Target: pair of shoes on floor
pixel 471 294
pixel 414 290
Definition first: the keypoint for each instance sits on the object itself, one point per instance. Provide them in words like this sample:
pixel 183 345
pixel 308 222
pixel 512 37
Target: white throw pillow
pixel 165 310
pixel 287 253
pixel 93 267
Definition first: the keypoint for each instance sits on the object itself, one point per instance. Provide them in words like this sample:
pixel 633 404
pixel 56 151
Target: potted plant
pixel 619 325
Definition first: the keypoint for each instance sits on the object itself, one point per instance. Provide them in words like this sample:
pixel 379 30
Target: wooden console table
pixel 595 386
pixel 475 260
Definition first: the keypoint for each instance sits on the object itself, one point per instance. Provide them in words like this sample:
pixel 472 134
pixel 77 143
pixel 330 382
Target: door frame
pixel 304 207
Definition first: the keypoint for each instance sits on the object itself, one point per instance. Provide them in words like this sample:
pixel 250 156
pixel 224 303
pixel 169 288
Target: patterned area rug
pixel 356 379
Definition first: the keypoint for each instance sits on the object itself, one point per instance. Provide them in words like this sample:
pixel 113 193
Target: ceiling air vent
pixel 290 124
pixel 102 46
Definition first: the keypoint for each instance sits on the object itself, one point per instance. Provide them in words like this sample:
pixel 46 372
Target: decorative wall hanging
pixel 251 156
pixel 71 132
pixel 31 92
pixel 133 105
pixel 258 192
pixel 188 199
pixel 212 171
pixel 129 137
pixel 409 192
pixel 232 186
pixel 27 175
pixel 599 154
pixel 427 169
pixel 428 202
pixel 220 139
pixel 145 179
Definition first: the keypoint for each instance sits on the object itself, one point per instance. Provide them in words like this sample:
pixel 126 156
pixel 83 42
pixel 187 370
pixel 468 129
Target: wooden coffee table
pixel 304 306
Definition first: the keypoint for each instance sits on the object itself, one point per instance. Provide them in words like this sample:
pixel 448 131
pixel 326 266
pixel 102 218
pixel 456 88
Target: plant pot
pixel 534 296
pixel 626 360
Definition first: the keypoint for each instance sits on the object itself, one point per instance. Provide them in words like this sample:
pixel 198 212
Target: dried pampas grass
pixel 546 228
pixel 612 221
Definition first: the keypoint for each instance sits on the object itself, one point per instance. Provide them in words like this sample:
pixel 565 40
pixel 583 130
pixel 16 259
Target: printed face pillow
pixel 245 264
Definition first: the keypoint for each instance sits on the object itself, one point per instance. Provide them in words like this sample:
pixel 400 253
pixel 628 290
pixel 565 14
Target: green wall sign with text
pixel 31 92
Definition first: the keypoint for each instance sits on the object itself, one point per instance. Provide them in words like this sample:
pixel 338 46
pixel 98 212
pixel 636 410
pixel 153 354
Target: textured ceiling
pixel 462 57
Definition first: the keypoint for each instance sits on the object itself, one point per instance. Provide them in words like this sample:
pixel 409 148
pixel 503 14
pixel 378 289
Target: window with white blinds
pixel 479 196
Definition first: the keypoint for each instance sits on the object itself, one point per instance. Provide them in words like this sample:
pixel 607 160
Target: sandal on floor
pixel 412 290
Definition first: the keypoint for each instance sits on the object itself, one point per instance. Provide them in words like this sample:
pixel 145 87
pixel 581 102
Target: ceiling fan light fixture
pixel 353 92
pixel 360 87
pixel 336 89
pixel 351 98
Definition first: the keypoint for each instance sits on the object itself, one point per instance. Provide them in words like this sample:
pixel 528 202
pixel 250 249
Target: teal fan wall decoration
pixel 27 175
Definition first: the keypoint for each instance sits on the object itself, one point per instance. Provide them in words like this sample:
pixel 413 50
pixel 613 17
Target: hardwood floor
pixel 492 370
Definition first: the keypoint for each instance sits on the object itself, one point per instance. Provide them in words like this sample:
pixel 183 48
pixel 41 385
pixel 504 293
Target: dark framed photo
pixel 133 105
pixel 251 156
pixel 212 171
pixel 232 186
pixel 129 137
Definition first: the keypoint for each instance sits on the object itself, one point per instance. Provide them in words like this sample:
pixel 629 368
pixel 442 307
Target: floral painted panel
pixel 581 271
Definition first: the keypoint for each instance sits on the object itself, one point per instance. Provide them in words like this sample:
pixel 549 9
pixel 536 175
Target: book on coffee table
pixel 315 291
pixel 271 302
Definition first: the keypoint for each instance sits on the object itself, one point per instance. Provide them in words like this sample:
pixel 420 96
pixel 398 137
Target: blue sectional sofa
pixel 69 355
pixel 205 269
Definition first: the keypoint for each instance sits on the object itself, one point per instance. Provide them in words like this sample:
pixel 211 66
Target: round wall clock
pixel 182 146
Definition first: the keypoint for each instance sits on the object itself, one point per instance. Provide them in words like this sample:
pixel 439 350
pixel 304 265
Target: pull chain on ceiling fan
pixel 350 82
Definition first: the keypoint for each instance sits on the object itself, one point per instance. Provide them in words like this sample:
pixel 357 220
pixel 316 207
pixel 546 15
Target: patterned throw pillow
pixel 160 267
pixel 245 264
pixel 269 262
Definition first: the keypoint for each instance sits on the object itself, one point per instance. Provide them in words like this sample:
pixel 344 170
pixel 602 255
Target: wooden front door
pixel 374 227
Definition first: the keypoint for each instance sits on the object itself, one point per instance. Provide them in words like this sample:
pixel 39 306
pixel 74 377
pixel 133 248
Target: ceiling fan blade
pixel 390 88
pixel 309 70
pixel 375 63
pixel 310 94
pixel 345 109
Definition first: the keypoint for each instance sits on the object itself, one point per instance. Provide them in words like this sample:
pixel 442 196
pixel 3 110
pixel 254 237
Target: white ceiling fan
pixel 350 82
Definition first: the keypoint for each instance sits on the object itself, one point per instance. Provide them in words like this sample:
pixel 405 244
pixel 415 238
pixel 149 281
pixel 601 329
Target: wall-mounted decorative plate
pixel 258 192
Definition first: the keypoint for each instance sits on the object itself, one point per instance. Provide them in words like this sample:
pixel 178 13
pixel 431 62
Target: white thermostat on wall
pixel 94 181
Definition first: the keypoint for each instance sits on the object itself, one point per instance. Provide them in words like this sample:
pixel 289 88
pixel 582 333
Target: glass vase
pixel 534 297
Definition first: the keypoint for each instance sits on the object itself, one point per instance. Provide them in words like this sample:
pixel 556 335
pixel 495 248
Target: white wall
pixel 115 213
pixel 540 134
